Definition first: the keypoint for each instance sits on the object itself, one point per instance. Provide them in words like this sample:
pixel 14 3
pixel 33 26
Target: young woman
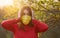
pixel 25 26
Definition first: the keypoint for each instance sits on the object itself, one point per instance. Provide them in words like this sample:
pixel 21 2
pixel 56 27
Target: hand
pixel 18 19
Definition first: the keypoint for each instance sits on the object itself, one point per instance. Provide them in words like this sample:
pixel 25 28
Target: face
pixel 26 17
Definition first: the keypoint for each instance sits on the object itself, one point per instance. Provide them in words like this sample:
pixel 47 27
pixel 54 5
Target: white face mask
pixel 26 19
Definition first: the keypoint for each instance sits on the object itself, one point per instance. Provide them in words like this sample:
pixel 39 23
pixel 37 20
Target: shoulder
pixel 36 21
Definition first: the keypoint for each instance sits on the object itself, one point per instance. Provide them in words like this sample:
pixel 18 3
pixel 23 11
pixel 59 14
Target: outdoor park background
pixel 47 11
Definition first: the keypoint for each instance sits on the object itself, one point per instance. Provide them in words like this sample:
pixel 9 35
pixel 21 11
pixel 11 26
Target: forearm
pixel 9 22
pixel 40 26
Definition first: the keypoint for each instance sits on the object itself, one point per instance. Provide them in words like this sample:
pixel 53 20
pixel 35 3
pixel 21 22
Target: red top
pixel 12 25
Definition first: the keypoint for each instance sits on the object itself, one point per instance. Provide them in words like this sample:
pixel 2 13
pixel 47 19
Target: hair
pixel 21 25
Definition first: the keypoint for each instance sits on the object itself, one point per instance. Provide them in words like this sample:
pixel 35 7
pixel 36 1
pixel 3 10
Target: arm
pixel 8 24
pixel 40 26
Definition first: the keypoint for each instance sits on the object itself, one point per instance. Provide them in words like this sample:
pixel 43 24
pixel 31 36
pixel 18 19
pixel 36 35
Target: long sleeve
pixel 40 26
pixel 8 24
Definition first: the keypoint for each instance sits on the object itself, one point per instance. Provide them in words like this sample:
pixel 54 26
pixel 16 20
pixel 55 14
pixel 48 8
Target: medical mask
pixel 26 19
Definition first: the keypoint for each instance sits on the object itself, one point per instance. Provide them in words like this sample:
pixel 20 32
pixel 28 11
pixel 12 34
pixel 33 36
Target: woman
pixel 25 26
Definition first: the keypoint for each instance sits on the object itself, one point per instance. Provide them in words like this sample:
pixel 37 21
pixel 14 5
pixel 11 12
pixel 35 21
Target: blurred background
pixel 47 11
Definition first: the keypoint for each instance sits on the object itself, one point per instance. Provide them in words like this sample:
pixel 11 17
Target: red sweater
pixel 12 25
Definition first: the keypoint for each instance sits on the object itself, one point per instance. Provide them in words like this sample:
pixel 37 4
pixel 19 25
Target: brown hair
pixel 21 14
pixel 28 8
